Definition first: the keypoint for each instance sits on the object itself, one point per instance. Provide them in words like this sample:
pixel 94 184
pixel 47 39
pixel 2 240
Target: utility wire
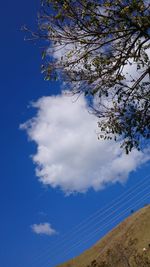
pixel 97 214
pixel 105 226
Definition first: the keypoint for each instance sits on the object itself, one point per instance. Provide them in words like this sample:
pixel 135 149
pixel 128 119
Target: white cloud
pixel 43 228
pixel 69 155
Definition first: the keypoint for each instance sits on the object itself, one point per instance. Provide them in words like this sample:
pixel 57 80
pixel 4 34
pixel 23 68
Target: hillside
pixel 121 247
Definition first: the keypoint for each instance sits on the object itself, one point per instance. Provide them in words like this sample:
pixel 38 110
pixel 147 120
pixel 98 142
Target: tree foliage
pixel 102 48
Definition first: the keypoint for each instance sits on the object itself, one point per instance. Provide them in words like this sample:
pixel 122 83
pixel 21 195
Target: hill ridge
pixel 134 227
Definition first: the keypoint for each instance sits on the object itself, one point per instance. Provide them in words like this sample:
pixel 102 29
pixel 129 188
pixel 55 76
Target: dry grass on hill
pixel 125 242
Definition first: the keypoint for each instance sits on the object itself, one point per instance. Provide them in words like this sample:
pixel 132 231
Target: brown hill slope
pixel 121 247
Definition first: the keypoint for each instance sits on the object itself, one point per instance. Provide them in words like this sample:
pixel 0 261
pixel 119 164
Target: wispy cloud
pixel 69 155
pixel 43 228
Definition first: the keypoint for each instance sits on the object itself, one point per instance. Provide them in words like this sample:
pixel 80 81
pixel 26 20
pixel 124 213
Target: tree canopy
pixel 101 48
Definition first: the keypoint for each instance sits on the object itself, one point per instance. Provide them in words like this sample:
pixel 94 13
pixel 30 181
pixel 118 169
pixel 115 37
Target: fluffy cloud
pixel 69 155
pixel 43 228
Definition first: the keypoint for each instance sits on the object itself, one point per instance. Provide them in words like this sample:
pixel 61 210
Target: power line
pixel 98 213
pixel 105 226
pixel 94 216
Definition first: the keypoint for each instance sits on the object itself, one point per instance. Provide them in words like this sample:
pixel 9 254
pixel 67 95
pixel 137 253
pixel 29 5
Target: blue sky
pixel 24 201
